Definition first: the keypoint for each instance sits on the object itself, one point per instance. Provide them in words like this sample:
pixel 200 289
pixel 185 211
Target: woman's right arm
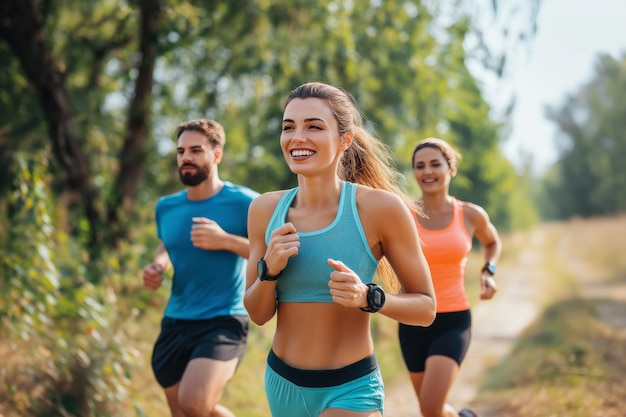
pixel 260 297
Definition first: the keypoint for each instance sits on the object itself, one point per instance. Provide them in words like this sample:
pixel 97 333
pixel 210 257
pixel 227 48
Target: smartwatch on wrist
pixel 490 267
pixel 261 271
pixel 375 298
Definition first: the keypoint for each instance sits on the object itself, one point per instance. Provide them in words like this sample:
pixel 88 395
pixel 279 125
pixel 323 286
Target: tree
pixel 98 71
pixel 589 177
pixel 23 28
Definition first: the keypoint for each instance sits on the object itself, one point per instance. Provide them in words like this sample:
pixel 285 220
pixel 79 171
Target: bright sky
pixel 571 33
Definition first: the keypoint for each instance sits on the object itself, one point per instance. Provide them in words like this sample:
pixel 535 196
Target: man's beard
pixel 188 178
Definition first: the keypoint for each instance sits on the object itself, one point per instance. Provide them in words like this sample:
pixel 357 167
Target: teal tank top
pixel 306 276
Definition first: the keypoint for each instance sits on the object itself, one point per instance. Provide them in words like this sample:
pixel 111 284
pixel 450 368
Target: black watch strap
pixel 375 298
pixel 262 272
pixel 490 267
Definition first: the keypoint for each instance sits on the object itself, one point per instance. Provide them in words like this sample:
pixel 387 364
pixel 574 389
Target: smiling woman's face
pixel 310 137
pixel 431 169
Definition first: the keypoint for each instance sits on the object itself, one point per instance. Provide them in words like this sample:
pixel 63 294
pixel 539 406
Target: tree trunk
pixel 22 28
pixel 132 156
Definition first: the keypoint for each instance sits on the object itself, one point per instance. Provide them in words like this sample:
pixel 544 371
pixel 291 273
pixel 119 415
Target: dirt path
pixel 496 325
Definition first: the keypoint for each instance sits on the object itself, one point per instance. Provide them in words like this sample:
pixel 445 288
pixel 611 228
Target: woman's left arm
pixel 399 243
pixel 488 236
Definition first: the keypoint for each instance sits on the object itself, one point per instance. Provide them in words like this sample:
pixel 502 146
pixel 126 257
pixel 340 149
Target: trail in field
pixel 496 325
pixel 593 282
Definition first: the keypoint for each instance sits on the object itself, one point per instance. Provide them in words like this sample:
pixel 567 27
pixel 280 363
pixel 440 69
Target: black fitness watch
pixel 490 267
pixel 261 271
pixel 375 298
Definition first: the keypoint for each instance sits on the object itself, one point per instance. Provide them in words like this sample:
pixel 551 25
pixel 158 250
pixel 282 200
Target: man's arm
pixel 161 257
pixel 153 272
pixel 207 234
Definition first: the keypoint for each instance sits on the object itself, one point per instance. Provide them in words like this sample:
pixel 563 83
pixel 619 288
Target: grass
pixel 572 360
pixel 568 363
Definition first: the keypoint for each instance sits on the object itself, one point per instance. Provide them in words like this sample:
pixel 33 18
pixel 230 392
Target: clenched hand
pixel 207 234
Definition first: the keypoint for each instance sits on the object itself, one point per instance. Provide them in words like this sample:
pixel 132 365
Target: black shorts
pixel 449 335
pixel 180 341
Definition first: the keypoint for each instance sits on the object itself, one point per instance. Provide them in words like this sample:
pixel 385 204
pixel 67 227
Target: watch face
pixel 377 298
pixel 260 268
pixel 491 268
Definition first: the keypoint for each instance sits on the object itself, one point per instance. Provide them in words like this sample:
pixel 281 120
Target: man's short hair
pixel 213 131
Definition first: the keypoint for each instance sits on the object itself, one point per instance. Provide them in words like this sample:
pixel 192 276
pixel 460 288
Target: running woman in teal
pixel 314 252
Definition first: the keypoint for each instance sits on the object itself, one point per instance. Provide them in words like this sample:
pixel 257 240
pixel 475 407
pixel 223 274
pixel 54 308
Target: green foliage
pixel 68 333
pixel 70 254
pixel 589 178
pixel 28 272
pixel 404 61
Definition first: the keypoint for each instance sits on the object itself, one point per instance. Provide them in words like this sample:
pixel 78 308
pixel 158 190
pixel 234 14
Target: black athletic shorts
pixel 449 335
pixel 180 341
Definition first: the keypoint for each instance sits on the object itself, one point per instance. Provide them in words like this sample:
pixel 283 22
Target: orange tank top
pixel 446 251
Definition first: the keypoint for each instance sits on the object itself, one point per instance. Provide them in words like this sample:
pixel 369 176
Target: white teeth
pixel 297 153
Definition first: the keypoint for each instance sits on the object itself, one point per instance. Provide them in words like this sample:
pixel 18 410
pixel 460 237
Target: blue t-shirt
pixel 206 283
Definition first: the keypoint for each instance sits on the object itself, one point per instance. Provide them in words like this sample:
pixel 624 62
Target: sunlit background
pixel 532 92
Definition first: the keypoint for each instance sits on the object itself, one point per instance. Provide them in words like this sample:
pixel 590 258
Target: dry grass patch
pixel 572 360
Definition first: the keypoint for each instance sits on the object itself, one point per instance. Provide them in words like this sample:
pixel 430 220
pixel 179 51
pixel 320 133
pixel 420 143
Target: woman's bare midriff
pixel 304 340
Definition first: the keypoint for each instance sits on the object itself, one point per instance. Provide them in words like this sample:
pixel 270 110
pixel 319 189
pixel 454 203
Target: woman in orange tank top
pixel 434 354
